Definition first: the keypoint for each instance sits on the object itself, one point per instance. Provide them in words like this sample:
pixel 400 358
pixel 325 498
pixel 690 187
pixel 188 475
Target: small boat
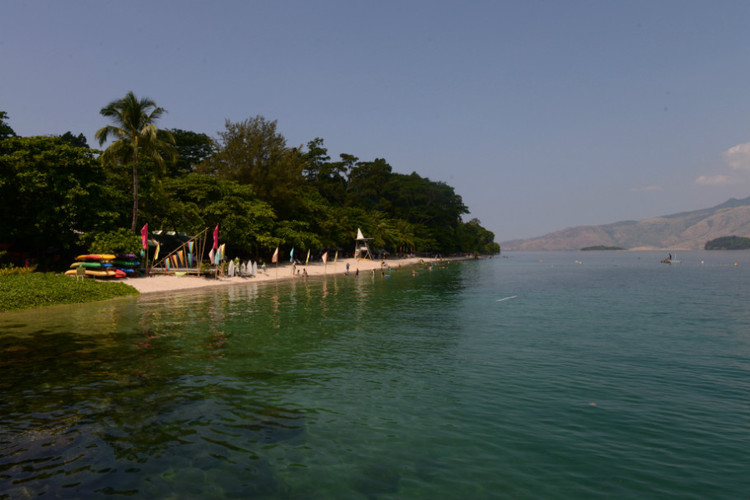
pixel 670 260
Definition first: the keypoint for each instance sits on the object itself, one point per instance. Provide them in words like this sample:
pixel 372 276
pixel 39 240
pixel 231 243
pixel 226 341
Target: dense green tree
pixel 76 140
pixel 473 237
pixel 365 184
pixel 52 191
pixel 261 192
pixel 5 130
pixel 253 152
pixel 728 243
pixel 136 135
pixel 198 201
pixel 330 178
pixel 316 160
pixel 192 149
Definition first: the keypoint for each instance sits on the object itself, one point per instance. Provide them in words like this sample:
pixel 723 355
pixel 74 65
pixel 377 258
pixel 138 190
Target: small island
pixel 728 243
pixel 600 247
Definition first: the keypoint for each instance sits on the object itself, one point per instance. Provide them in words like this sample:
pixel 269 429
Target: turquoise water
pixel 532 376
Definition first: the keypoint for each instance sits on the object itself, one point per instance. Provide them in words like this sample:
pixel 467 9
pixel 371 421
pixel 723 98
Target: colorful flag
pixel 308 257
pixel 291 255
pixel 216 237
pixel 144 236
pixel 275 258
pixel 156 253
pixel 211 255
pixel 325 257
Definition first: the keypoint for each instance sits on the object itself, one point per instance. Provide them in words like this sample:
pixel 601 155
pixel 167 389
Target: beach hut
pixel 361 247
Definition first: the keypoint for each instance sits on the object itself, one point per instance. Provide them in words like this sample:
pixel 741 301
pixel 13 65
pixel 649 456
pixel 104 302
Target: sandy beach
pixel 170 283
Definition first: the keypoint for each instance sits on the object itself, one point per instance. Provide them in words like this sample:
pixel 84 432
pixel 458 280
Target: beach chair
pixel 80 273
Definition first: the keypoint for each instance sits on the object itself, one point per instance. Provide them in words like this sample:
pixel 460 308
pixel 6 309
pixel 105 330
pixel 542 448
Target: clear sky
pixel 541 114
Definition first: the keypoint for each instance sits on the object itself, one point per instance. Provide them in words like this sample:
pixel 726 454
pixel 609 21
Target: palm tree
pixel 135 135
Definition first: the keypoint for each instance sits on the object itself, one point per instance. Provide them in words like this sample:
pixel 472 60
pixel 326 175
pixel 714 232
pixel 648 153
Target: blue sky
pixel 541 114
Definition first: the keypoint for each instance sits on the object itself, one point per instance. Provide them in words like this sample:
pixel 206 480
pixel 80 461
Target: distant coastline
pixel 676 232
pixel 601 247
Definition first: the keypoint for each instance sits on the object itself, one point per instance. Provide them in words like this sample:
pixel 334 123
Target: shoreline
pixel 171 283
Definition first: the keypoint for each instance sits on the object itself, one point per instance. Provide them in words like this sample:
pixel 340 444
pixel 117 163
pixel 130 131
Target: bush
pixel 10 269
pixel 27 291
pixel 116 242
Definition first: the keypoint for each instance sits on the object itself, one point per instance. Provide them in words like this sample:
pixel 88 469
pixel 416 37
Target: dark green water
pixel 617 378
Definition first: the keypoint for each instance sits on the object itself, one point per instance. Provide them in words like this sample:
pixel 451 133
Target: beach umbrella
pixel 308 257
pixel 291 255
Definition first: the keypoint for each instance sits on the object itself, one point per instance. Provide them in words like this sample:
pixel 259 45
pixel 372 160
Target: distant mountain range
pixel 683 231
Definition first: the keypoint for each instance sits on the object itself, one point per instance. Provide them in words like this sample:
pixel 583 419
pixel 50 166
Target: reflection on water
pixel 192 392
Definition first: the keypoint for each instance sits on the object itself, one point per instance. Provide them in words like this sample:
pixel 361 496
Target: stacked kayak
pixel 126 263
pixel 96 266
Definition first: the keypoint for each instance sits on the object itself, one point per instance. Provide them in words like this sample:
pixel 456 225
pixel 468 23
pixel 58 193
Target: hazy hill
pixel 683 231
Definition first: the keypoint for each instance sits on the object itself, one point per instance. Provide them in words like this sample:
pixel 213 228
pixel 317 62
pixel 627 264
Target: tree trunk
pixel 135 190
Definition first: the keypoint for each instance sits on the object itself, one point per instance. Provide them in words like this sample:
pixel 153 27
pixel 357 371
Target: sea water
pixel 529 375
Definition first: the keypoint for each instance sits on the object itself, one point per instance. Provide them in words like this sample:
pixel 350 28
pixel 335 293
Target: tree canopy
pixel 262 192
pixel 136 135
pixel 51 192
pixel 728 243
pixel 5 130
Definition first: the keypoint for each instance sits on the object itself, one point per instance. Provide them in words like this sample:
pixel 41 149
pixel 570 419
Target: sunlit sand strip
pixel 168 283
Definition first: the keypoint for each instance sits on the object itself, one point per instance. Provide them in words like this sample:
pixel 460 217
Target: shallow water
pixel 532 376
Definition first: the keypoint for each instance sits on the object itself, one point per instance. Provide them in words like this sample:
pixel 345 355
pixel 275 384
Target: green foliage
pixel 192 148
pixel 11 269
pixel 118 241
pixel 50 190
pixel 26 291
pixel 728 243
pixel 473 237
pixel 261 192
pixel 198 201
pixel 295 234
pixel 76 140
pixel 5 130
pixel 136 136
pixel 253 152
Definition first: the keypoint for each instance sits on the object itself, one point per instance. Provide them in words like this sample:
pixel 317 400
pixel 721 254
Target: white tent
pixel 361 247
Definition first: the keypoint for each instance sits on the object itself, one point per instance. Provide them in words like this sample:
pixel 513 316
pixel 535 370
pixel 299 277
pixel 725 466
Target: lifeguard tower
pixel 361 247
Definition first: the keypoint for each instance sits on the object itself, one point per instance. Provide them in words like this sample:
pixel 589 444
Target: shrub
pixel 11 269
pixel 45 289
pixel 117 241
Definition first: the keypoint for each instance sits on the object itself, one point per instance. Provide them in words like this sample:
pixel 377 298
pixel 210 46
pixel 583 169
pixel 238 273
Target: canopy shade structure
pixel 361 247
